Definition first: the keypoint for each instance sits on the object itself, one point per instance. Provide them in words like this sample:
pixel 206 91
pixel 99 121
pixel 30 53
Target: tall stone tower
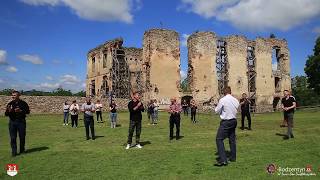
pixel 202 74
pixel 161 55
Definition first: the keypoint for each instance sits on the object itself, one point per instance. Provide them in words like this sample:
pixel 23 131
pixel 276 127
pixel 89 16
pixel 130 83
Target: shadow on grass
pixel 98 137
pixel 37 149
pixel 143 143
pixel 279 134
pixel 118 125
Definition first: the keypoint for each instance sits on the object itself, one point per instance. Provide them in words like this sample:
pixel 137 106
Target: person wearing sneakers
pixel 74 111
pixel 66 107
pixel 135 107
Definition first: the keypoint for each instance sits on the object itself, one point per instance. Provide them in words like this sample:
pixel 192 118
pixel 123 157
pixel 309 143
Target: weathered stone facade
pixel 213 63
pixel 54 104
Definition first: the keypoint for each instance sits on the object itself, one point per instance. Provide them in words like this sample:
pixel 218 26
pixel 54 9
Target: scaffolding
pixel 222 65
pixel 251 64
pixel 120 74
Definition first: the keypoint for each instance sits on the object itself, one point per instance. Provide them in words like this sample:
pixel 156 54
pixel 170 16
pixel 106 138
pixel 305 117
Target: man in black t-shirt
pixel 135 107
pixel 288 106
pixel 245 111
pixel 17 110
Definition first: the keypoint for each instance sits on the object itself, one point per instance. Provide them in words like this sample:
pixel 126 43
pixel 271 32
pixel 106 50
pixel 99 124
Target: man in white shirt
pixel 227 108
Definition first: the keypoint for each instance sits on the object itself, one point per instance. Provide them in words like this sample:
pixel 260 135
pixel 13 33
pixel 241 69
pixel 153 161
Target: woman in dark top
pixel 193 107
pixel 113 114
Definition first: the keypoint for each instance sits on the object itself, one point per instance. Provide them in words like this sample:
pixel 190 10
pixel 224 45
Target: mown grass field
pixel 59 152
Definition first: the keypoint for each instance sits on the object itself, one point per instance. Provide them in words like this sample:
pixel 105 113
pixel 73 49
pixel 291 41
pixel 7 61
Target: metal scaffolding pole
pixel 222 65
pixel 251 64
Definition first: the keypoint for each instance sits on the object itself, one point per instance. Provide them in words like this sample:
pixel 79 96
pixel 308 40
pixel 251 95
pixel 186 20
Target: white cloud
pixel 70 79
pixel 99 10
pixel 205 8
pixel 316 30
pixel 34 59
pixel 257 14
pixel 183 74
pixel 184 39
pixel 1 81
pixel 48 86
pixel 50 78
pixel 11 69
pixel 3 57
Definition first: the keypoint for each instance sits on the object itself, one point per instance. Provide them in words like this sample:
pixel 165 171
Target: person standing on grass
pixel 285 120
pixel 113 114
pixel 66 107
pixel 288 106
pixel 150 111
pixel 245 111
pixel 193 107
pixel 88 110
pixel 227 108
pixel 174 110
pixel 155 111
pixel 135 107
pixel 98 107
pixel 17 110
pixel 74 111
pixel 185 107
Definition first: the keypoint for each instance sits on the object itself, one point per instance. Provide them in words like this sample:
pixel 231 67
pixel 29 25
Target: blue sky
pixel 43 43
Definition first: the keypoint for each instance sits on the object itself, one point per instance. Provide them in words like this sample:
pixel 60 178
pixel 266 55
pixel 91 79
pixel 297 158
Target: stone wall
pixel 202 66
pixel 161 54
pixel 237 62
pixel 54 104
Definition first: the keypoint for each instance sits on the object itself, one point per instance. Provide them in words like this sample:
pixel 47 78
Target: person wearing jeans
pixel 155 112
pixel 65 113
pixel 288 106
pixel 227 108
pixel 113 114
pixel 88 110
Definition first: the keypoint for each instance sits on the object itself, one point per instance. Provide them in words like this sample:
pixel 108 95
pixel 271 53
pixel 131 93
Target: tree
pixel 6 92
pixel 61 92
pixel 185 85
pixel 80 94
pixel 312 68
pixel 304 95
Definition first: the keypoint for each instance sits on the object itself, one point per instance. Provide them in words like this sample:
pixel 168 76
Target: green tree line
pixel 56 92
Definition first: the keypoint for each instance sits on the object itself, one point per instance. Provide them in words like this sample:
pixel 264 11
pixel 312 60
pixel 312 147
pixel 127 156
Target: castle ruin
pixel 213 63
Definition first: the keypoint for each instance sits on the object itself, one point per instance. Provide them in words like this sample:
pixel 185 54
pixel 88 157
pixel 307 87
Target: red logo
pixel 308 168
pixel 271 168
pixel 12 169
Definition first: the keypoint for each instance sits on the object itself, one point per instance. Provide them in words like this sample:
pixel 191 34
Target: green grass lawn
pixel 59 152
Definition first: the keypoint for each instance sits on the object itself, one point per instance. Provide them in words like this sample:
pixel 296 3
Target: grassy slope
pixel 65 154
